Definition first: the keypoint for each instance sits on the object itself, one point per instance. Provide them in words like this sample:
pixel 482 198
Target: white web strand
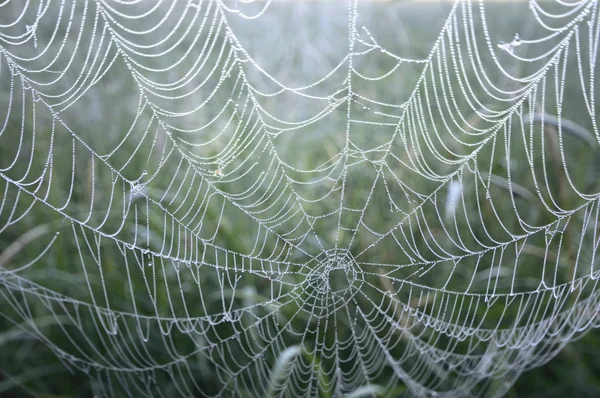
pixel 230 232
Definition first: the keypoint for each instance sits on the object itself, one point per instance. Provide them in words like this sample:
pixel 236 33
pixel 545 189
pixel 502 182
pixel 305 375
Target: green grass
pixel 101 270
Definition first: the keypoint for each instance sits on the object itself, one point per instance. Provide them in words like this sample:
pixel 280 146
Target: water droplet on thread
pixel 516 41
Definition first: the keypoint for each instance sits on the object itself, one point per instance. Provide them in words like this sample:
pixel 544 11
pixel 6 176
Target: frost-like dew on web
pixel 218 198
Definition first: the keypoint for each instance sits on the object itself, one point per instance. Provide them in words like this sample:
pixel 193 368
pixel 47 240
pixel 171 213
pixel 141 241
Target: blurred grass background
pixel 29 367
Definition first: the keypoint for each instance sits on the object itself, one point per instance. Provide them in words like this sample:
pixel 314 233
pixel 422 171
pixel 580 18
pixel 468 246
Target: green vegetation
pixel 104 265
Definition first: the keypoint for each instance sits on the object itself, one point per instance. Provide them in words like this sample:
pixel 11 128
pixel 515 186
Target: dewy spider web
pixel 180 217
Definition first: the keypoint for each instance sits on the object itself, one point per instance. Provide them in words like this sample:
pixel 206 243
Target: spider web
pixel 312 213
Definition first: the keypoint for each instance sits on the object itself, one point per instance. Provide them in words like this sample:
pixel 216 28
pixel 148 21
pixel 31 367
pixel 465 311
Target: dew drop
pixel 516 41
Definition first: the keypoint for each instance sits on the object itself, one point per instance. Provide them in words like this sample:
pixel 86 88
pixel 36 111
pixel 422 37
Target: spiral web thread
pixel 228 234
